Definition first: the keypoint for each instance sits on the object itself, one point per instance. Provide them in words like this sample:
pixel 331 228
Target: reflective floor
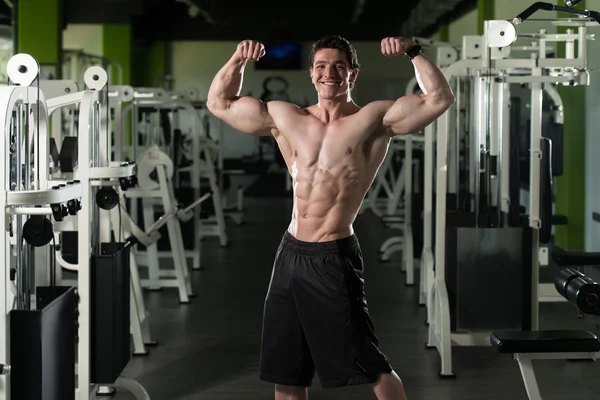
pixel 209 348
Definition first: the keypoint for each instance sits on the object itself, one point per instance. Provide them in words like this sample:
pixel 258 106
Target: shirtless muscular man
pixel 315 314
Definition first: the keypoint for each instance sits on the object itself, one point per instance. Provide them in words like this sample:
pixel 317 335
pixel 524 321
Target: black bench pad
pixel 545 341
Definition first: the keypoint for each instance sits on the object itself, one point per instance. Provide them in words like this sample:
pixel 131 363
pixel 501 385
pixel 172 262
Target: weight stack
pixel 110 291
pixel 488 274
pixel 42 347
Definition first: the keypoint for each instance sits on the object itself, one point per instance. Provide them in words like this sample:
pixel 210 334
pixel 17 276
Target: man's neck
pixel 330 110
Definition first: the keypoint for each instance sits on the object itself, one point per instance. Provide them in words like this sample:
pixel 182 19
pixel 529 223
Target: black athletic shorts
pixel 316 317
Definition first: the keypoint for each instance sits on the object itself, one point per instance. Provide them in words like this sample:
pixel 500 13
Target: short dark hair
pixel 335 42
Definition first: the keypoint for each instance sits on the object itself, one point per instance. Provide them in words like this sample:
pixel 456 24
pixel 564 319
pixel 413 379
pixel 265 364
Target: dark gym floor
pixel 209 348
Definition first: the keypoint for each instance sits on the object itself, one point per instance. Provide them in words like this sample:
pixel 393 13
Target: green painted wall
pixel 485 11
pixel 150 64
pixel 39 26
pixel 444 33
pixel 570 187
pixel 156 68
pixel 116 46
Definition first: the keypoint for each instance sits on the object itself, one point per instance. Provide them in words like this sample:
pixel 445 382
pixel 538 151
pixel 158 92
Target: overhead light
pixel 194 10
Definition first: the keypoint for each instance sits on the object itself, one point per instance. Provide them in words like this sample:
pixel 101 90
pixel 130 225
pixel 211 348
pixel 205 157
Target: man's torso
pixel 332 163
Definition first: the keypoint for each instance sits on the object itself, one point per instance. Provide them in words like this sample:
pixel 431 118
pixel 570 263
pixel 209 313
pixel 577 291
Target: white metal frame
pixel 202 145
pixel 528 373
pixel 22 200
pixel 154 159
pixel 139 316
pixel 93 170
pixel 23 71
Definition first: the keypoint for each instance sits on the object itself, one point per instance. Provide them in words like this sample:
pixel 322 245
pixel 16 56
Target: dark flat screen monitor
pixel 281 56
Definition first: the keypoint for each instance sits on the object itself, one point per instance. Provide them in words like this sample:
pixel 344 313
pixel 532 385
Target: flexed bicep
pixel 412 113
pixel 244 113
pixel 248 115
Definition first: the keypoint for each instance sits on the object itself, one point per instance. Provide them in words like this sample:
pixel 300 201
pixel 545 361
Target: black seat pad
pixel 545 341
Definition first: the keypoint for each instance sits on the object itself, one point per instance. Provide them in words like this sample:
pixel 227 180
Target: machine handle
pixel 540 5
pixel 572 3
pixel 546 191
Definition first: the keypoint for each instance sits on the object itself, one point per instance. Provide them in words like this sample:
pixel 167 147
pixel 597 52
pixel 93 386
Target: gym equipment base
pixel 42 347
pixel 110 341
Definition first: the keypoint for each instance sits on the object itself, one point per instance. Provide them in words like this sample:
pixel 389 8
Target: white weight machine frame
pixel 139 316
pixel 23 70
pixel 95 169
pixel 158 278
pixel 201 145
pixel 164 193
pixel 490 56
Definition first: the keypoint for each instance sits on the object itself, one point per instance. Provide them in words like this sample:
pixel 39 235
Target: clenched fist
pixel 392 46
pixel 250 50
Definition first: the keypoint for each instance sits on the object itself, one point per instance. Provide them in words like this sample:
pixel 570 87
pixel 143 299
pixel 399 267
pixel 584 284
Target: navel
pixel 349 150
pixel 305 215
pixel 295 153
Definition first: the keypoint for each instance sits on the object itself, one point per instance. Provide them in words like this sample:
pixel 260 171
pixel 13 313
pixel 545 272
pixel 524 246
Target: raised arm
pixel 244 113
pixel 412 113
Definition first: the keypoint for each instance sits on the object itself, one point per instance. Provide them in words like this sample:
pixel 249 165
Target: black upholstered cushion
pixel 545 341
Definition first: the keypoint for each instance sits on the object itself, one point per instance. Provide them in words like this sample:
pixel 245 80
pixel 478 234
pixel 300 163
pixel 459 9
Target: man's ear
pixel 353 75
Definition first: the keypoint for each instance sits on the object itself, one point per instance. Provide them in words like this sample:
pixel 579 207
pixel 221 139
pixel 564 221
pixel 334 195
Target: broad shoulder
pixel 278 107
pixel 378 108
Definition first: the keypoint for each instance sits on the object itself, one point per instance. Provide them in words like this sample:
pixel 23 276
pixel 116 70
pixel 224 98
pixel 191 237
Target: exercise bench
pixel 526 346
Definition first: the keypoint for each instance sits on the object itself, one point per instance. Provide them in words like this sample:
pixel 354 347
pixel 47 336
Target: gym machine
pixel 154 161
pixel 205 157
pixel 86 325
pixel 234 209
pixel 486 238
pixel 151 193
pixel 203 161
pixel 107 197
pixel 114 282
pixel 525 346
pixel 30 325
pixel 154 181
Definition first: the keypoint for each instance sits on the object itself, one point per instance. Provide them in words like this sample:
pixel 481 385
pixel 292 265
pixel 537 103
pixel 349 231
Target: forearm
pixel 227 84
pixel 431 80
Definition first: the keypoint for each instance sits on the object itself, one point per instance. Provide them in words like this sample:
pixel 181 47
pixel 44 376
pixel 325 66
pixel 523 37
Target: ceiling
pixel 358 20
